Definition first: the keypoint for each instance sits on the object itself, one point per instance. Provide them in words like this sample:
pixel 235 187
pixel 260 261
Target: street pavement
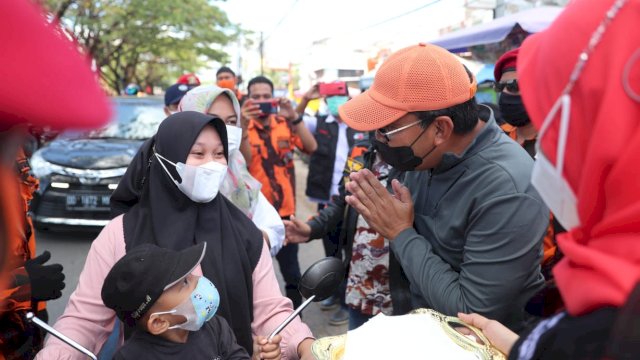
pixel 70 249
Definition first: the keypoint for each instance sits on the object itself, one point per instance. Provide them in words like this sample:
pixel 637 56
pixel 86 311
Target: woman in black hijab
pixel 166 217
pixel 178 207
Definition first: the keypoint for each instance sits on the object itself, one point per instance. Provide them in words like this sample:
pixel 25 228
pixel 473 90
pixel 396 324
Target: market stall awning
pixel 532 21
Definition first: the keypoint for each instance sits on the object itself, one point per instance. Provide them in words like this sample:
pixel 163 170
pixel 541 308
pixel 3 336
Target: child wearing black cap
pixel 173 310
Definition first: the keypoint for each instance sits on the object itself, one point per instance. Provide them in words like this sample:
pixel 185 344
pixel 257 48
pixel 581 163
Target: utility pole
pixel 261 53
pixel 240 48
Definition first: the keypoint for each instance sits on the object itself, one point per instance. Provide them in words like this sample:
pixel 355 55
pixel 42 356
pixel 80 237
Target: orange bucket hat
pixel 422 77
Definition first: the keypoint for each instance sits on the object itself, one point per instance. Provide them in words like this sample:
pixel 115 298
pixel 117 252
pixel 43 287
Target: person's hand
pixel 264 349
pixel 499 335
pixel 304 350
pixel 286 109
pixel 244 124
pixel 249 110
pixel 47 281
pixel 296 231
pixel 312 94
pixel 387 214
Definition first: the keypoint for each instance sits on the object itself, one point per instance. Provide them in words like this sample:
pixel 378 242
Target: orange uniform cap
pixel 417 78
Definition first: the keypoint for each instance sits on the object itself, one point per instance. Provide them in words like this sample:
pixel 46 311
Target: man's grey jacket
pixel 476 244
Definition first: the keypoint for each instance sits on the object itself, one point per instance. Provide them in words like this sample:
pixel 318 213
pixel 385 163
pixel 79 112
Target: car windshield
pixel 133 119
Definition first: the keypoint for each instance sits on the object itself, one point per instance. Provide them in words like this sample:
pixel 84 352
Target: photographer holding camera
pixel 274 131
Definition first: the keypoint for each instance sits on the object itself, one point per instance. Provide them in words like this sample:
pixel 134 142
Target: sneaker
pixel 329 303
pixel 340 317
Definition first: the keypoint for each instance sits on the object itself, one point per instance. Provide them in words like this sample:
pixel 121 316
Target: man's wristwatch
pixel 298 120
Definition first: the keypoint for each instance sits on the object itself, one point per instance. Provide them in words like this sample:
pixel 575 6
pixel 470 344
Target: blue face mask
pixel 334 102
pixel 199 308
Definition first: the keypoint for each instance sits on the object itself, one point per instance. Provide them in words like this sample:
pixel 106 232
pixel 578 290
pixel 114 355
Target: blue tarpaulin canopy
pixel 532 21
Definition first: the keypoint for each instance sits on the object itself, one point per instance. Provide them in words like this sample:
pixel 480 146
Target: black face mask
pixel 401 157
pixel 513 110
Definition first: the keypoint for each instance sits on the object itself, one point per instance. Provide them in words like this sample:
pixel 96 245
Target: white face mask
pixel 234 137
pixel 547 178
pixel 199 183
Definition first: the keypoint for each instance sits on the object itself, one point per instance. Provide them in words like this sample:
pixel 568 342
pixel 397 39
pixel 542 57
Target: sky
pixel 290 27
pixel 310 34
pixel 304 21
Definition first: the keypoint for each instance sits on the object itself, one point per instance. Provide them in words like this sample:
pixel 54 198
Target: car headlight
pixel 42 167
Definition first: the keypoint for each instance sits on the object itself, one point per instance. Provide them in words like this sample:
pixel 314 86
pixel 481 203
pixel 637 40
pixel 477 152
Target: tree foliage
pixel 148 42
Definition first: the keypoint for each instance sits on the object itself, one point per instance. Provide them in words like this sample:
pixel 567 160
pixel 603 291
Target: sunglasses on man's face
pixel 510 85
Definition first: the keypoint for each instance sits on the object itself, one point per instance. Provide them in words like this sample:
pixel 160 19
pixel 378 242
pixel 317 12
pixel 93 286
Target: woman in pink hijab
pixel 580 81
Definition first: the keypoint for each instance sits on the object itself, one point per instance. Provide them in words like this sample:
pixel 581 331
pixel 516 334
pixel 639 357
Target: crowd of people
pixel 521 218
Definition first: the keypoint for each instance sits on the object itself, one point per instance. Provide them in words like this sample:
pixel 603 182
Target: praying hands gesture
pixel 387 214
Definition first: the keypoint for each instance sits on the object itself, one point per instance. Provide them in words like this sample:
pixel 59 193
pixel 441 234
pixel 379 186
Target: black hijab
pixel 129 189
pixel 166 217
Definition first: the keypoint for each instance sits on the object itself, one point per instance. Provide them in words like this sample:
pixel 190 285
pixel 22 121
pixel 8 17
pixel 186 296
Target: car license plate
pixel 88 202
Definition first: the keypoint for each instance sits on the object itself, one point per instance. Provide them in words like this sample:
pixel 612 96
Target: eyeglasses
pixel 387 134
pixel 511 85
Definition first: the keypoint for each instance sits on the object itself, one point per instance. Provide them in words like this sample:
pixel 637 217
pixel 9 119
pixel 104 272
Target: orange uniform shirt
pixel 272 161
pixel 15 293
pixel 17 245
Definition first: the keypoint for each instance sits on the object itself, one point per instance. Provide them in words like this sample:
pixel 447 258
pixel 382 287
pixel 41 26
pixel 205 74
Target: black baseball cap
pixel 175 93
pixel 137 280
